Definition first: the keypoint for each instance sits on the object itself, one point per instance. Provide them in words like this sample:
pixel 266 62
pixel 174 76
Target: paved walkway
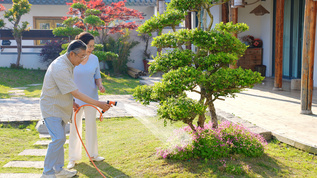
pixel 28 109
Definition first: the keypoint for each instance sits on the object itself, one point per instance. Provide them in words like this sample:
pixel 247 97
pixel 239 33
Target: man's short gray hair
pixel 76 46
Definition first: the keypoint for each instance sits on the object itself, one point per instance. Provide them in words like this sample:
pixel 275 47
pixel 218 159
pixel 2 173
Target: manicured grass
pixel 122 85
pixel 11 78
pixel 129 149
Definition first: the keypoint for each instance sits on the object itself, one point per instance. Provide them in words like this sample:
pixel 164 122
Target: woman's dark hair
pixel 85 37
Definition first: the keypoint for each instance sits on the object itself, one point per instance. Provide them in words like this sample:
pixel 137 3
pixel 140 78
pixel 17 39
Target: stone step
pixel 36 84
pixel 46 142
pixel 25 164
pixel 15 91
pixel 48 135
pixel 17 94
pixel 19 175
pixel 41 127
pixel 33 152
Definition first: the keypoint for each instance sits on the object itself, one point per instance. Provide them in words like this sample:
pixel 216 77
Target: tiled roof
pixel 63 2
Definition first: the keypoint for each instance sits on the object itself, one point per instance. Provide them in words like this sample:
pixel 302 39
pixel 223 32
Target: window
pixel 46 23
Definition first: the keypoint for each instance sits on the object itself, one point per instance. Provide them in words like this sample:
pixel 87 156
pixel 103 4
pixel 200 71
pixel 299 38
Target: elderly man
pixel 56 106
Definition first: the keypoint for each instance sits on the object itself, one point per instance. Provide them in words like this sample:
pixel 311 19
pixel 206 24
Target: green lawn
pixel 12 78
pixel 129 149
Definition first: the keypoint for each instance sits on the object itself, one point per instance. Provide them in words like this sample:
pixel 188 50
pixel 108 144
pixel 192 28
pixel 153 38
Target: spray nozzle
pixel 112 103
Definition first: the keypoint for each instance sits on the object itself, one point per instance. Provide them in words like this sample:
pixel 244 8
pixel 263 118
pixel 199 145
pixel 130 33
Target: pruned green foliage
pixel 172 60
pixel 213 41
pixel 169 18
pixel 67 31
pixel 193 5
pixel 180 109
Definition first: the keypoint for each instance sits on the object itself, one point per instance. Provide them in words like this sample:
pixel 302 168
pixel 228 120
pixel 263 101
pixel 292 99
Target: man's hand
pixel 104 106
pixel 75 106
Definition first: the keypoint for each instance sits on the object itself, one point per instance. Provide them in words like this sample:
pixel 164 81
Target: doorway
pixel 293 38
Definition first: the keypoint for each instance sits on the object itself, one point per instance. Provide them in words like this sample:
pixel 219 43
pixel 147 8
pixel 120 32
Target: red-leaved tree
pixel 116 16
pixel 2 8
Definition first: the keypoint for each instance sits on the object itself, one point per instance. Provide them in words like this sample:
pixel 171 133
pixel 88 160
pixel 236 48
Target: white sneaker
pixel 99 158
pixel 66 173
pixel 48 176
pixel 71 164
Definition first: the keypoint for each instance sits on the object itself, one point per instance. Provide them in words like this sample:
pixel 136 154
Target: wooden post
pixel 308 57
pixel 188 25
pixel 234 19
pixel 225 12
pixel 234 16
pixel 279 28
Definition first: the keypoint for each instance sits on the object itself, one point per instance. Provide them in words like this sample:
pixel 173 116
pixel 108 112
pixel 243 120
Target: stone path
pixel 45 140
pixel 11 108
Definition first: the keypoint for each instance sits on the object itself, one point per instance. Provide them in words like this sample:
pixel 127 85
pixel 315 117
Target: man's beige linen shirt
pixel 56 99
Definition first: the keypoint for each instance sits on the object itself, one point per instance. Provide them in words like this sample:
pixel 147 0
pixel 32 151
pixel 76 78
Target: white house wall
pixel 137 52
pixel 216 12
pixel 260 27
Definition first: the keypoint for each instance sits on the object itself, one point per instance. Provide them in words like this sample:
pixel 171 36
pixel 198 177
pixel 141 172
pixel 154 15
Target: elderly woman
pixel 88 80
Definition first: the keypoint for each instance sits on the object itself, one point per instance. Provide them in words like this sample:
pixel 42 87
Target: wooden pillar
pixel 233 17
pixel 308 57
pixel 225 12
pixel 279 28
pixel 160 10
pixel 188 25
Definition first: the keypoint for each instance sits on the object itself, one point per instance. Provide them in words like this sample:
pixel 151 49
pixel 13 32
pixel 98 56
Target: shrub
pixel 121 46
pixel 51 51
pixel 211 143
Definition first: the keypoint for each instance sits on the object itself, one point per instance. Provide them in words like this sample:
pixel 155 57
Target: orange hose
pixel 101 119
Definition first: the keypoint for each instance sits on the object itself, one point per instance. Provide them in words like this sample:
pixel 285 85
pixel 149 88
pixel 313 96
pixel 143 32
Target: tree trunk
pixel 19 48
pixel 201 121
pixel 191 125
pixel 214 118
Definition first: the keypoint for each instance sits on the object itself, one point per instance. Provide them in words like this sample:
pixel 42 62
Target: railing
pixel 3 47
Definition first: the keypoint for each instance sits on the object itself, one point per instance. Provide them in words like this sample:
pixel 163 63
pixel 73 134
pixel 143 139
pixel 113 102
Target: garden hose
pixel 112 103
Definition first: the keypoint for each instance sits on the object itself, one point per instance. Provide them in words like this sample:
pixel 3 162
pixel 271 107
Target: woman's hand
pixel 101 88
pixel 99 85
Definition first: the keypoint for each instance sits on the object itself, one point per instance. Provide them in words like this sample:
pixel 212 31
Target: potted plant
pixel 146 52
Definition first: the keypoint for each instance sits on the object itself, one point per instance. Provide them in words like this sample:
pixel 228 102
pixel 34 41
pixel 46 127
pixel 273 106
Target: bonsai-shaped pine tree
pixel 204 71
pixel 13 15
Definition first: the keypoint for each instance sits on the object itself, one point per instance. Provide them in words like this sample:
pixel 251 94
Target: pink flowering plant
pixel 211 143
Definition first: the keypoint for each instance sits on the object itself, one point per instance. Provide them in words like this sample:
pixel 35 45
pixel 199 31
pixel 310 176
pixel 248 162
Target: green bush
pixel 121 46
pixel 210 143
pixel 51 51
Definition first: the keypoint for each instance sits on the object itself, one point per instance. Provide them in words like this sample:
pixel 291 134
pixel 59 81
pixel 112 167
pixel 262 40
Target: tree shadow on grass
pixel 89 170
pixel 264 166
